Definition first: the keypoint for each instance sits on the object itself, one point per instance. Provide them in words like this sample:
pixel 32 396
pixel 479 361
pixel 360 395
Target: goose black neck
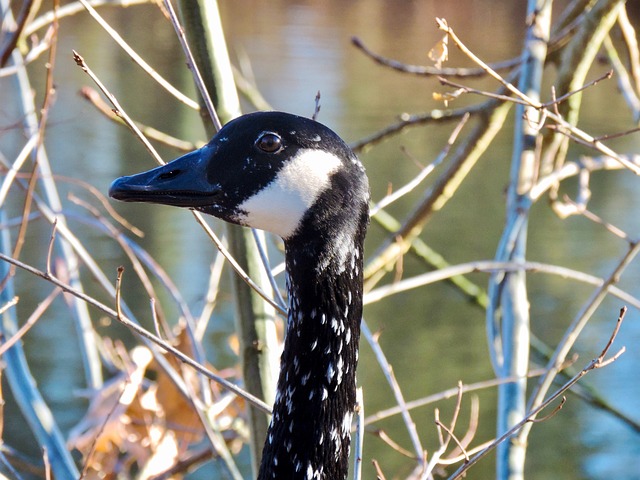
pixel 309 435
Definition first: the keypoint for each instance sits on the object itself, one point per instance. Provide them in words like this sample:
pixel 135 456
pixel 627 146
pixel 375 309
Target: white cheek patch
pixel 280 206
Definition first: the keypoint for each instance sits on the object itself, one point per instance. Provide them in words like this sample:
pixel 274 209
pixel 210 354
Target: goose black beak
pixel 181 183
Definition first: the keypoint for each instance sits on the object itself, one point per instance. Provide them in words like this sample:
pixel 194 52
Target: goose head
pixel 266 170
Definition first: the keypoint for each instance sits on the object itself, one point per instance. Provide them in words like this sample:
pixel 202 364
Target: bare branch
pixel 388 373
pixel 138 59
pixel 31 321
pixel 532 414
pixel 140 331
pixel 118 110
pixel 316 110
pixel 424 71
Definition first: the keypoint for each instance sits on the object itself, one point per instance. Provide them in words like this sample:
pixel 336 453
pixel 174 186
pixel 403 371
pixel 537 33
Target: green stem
pixel 255 319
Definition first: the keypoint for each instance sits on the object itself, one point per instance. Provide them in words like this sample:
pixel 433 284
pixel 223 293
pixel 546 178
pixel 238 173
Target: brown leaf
pixel 446 97
pixel 440 52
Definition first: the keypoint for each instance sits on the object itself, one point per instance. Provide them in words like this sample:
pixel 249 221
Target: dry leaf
pixel 447 97
pixel 440 52
pixel 141 422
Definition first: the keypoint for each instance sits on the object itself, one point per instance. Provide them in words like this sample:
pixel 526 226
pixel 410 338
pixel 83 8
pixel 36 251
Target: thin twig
pixel 211 297
pixel 387 370
pixel 120 112
pixel 259 241
pixel 10 38
pixel 119 291
pixel 553 413
pixel 465 441
pixel 140 331
pixel 599 221
pixel 460 89
pixel 52 238
pixel 31 321
pixel 379 474
pixel 491 266
pixel 93 97
pixel 192 65
pixel 425 71
pixel 444 395
pixel 118 109
pixel 73 8
pixel 425 171
pixel 138 59
pixel 557 101
pixel 451 436
pixel 579 322
pixel 631 41
pixel 234 264
pixel 316 110
pixel 154 317
pixel 598 362
pixel 442 24
pixel 384 436
pixel 563 127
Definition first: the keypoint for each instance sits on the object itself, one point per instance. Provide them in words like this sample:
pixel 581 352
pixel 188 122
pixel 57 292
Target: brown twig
pixel 442 24
pixel 138 59
pixel 406 120
pixel 119 293
pixel 425 71
pixel 382 435
pixel 506 98
pixel 410 186
pixel 563 126
pixel 31 321
pixel 600 221
pixel 316 109
pixel 557 101
pixel 466 89
pixel 140 331
pixel 610 136
pixel 103 201
pixel 118 110
pixel 461 452
pixel 11 39
pixel 94 99
pixel 451 436
pixel 52 239
pixel 553 413
pixel 137 258
pixel 599 362
pixel 379 474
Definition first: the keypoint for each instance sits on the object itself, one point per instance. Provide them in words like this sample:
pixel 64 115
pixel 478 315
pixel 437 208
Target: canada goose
pixel 296 178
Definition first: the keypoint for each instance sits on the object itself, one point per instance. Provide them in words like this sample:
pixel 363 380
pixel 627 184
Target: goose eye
pixel 269 142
